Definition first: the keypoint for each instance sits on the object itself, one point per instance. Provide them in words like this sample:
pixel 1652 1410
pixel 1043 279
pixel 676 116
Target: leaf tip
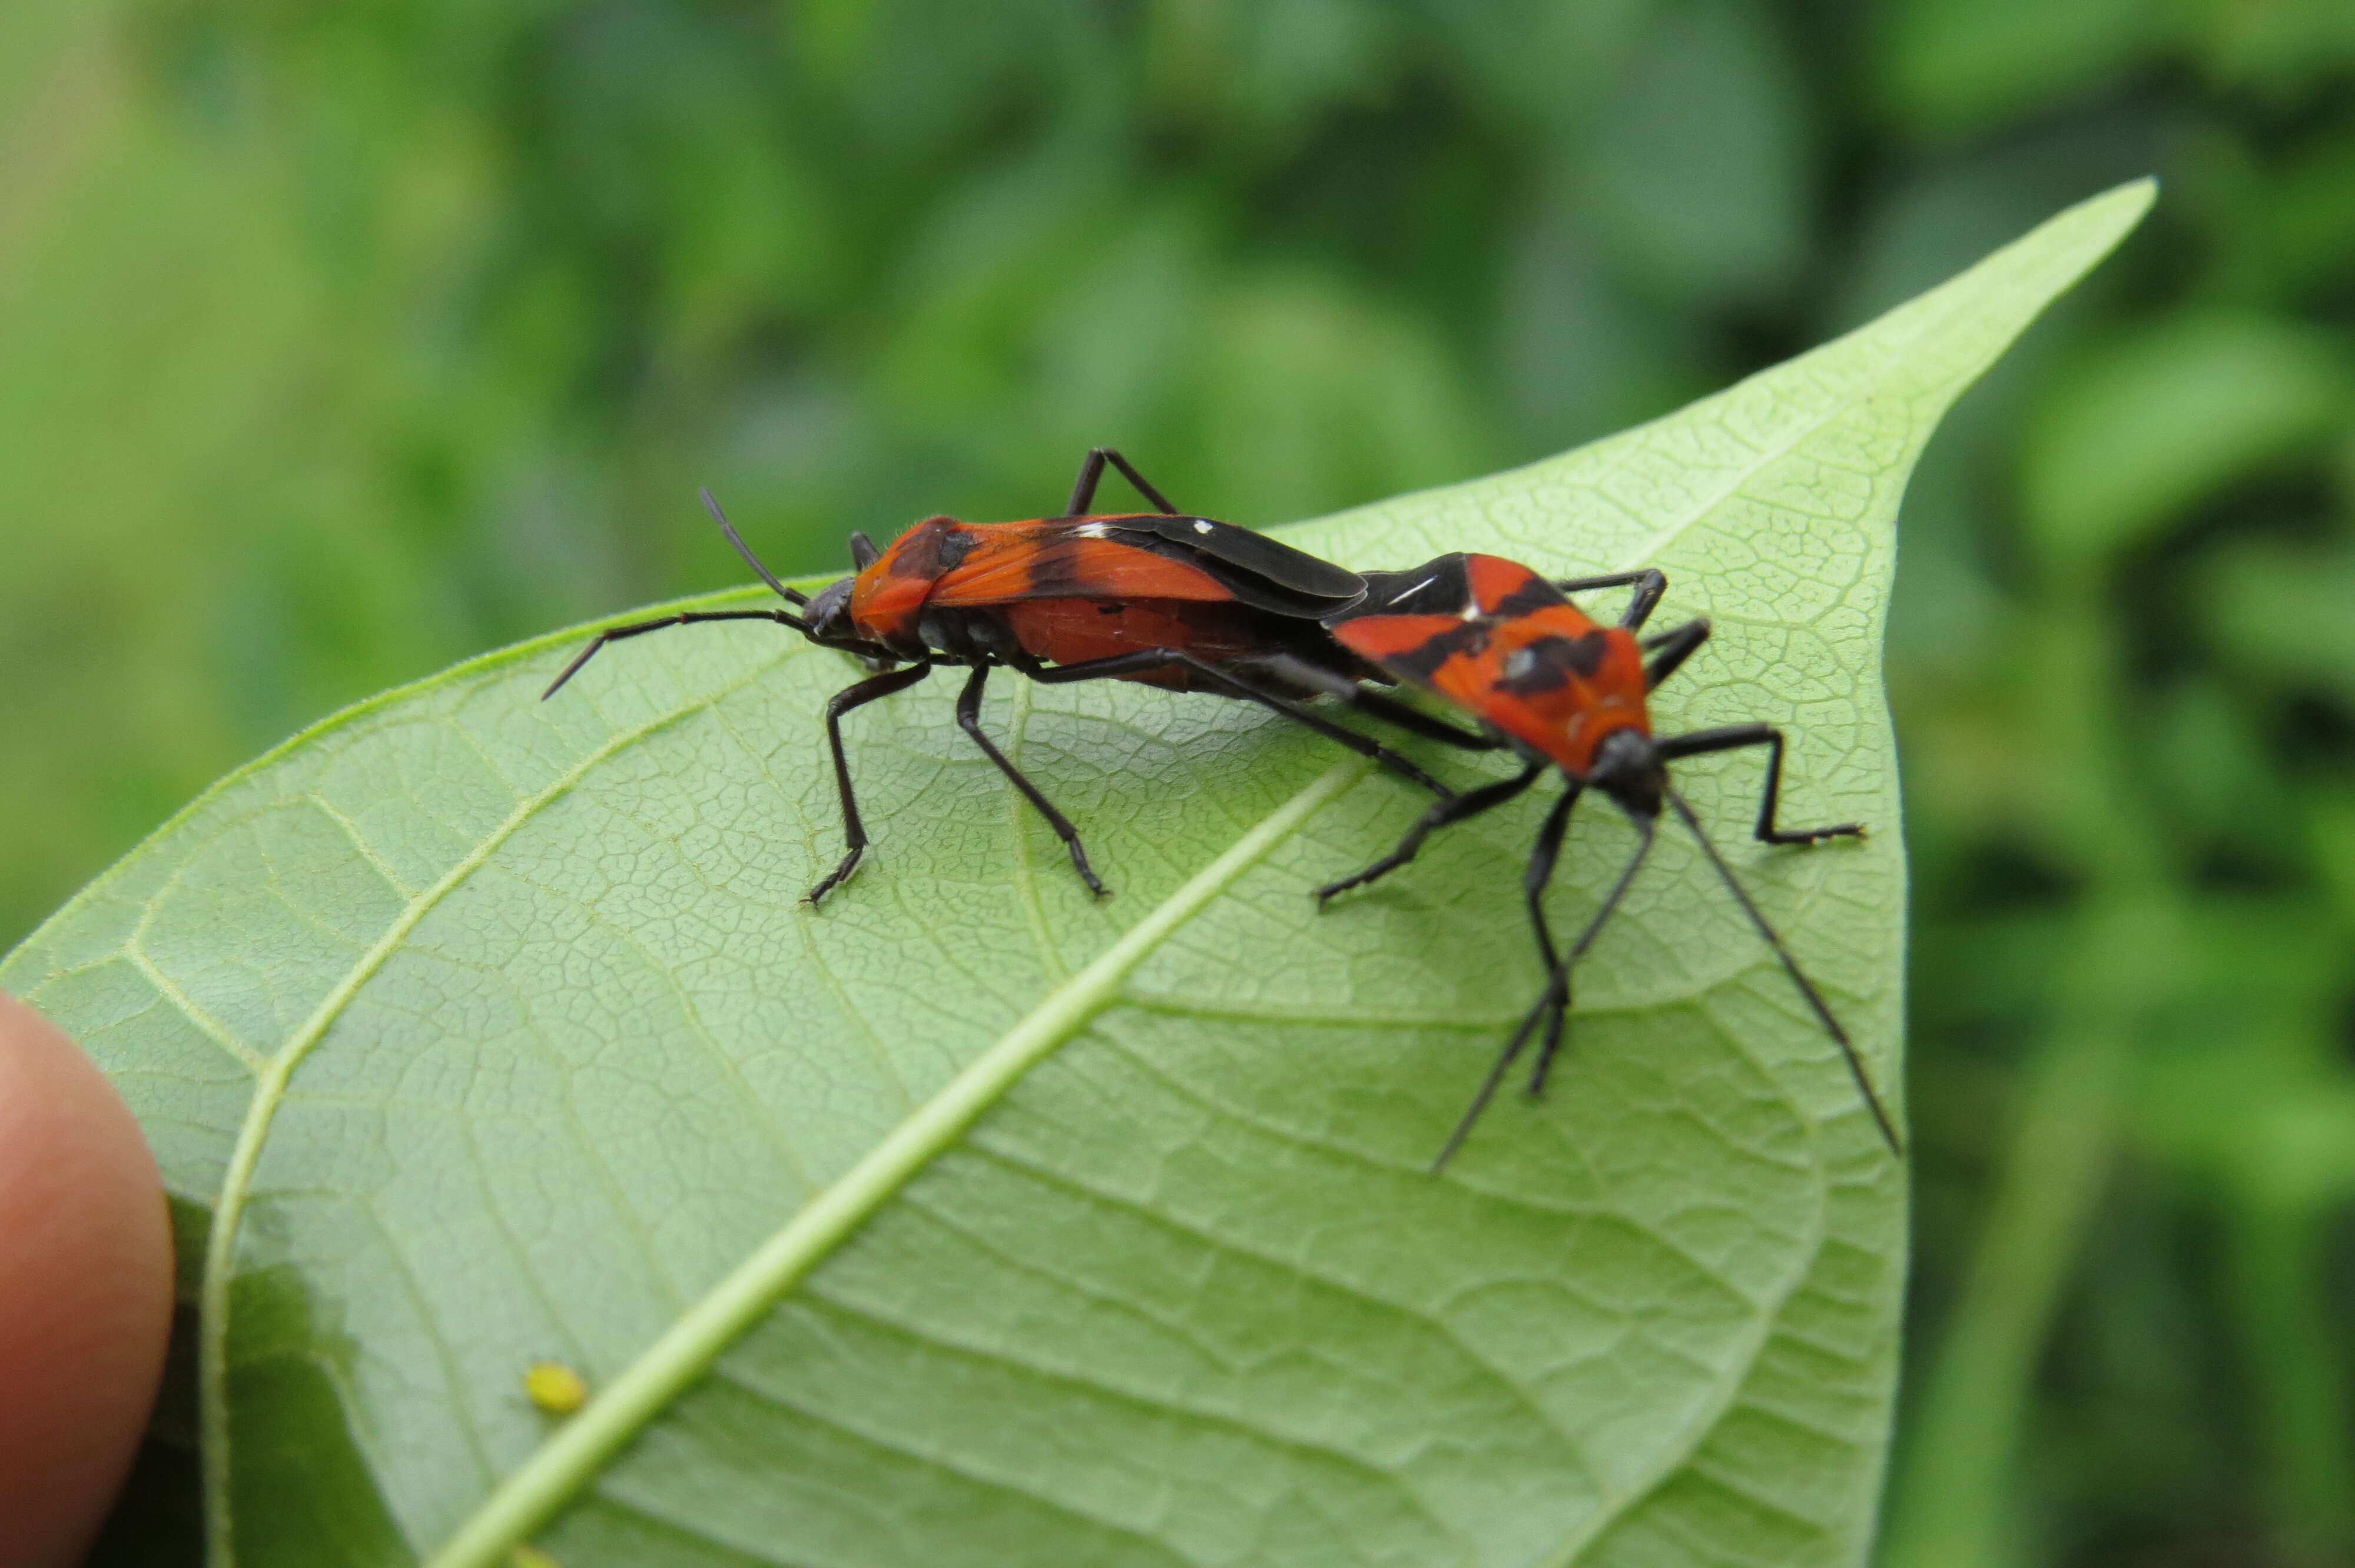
pixel 2111 215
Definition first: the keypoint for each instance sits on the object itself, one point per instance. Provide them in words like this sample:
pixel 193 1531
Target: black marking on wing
pixel 1422 661
pixel 1528 598
pixel 1547 664
pixel 955 545
pixel 916 553
pixel 1054 573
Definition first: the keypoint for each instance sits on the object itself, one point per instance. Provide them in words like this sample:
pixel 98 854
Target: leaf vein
pixel 169 991
pixel 1153 1404
pixel 1676 1452
pixel 1523 1395
pixel 351 830
pixel 800 918
pixel 891 1443
pixel 730 1072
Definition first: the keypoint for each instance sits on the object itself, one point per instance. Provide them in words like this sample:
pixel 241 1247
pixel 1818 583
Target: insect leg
pixel 1091 467
pixel 1146 660
pixel 1650 584
pixel 968 713
pixel 1390 710
pixel 1556 994
pixel 853 829
pixel 1672 648
pixel 1455 809
pixel 1734 738
pixel 1534 881
pixel 690 618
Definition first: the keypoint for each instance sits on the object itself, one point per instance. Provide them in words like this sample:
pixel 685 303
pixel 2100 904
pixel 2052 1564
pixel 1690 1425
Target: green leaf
pixel 1947 69
pixel 1694 178
pixel 2278 611
pixel 2154 425
pixel 969 1221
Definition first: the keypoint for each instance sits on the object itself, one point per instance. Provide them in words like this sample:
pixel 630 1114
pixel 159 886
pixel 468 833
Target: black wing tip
pixel 1438 586
pixel 1281 565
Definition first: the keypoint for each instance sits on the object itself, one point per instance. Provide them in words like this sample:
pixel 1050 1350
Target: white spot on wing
pixel 1091 531
pixel 1201 527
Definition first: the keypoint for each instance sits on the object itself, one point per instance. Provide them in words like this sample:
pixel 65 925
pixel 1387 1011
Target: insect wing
pixel 1268 561
pixel 1453 656
pixel 1457 585
pixel 1438 586
pixel 1412 647
pixel 890 591
pixel 1009 562
pixel 1507 590
pixel 1516 654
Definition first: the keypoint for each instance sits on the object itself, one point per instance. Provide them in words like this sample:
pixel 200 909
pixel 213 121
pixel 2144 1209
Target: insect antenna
pixel 661 623
pixel 1791 967
pixel 791 596
pixel 573 668
pixel 1557 995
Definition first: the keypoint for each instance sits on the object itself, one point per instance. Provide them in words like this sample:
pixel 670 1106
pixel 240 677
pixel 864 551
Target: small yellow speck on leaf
pixel 556 1389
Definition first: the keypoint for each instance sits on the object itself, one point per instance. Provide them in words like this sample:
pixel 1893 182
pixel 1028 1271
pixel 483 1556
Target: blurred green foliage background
pixel 337 343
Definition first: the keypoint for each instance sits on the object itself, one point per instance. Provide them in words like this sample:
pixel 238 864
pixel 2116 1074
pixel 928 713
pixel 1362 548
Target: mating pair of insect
pixel 1193 604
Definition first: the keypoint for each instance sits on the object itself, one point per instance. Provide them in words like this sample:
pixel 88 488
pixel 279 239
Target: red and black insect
pixel 1164 598
pixel 1504 645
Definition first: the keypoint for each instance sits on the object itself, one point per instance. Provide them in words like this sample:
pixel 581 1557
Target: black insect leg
pixel 688 618
pixel 1390 710
pixel 1556 997
pixel 1733 737
pixel 1295 670
pixel 968 712
pixel 854 830
pixel 1145 661
pixel 1672 648
pixel 1457 808
pixel 1091 467
pixel 1650 584
pixel 1534 882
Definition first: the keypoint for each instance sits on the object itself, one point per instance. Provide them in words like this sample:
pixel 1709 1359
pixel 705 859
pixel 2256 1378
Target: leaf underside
pixel 473 1032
